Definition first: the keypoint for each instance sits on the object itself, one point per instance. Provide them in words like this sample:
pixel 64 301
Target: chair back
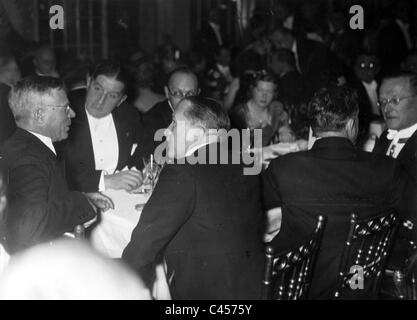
pixel 365 254
pixel 288 274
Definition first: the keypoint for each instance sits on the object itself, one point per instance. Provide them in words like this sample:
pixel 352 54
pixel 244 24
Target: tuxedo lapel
pixel 124 140
pixel 83 137
pixel 382 144
pixel 409 151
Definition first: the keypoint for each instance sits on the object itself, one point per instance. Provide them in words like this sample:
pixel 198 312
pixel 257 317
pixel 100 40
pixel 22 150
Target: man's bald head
pixel 181 83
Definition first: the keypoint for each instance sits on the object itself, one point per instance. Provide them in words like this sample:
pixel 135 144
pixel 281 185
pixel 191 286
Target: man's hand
pixel 125 180
pixel 100 201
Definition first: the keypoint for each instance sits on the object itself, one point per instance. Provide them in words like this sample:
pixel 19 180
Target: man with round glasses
pixel 398 103
pixel 181 83
pixel 41 207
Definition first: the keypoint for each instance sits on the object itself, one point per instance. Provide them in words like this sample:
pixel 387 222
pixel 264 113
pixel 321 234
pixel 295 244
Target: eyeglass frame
pixel 394 101
pixel 67 107
pixel 190 93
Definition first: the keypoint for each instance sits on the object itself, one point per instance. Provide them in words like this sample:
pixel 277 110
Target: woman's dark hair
pixel 262 75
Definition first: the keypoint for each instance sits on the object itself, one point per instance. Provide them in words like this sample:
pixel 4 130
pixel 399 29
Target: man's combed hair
pixel 111 69
pixel 26 92
pixel 207 113
pixel 332 107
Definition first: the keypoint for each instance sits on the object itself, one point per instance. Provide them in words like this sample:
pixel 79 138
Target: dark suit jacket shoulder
pixel 332 179
pixel 206 220
pixel 41 208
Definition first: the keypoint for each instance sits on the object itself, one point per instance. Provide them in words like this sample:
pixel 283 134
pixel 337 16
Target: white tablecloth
pixel 112 234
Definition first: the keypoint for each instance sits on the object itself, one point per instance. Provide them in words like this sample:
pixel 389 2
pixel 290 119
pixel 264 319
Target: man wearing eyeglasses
pixel 398 103
pixel 41 207
pixel 181 83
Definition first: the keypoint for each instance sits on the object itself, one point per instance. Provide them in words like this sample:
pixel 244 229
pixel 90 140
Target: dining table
pixel 112 232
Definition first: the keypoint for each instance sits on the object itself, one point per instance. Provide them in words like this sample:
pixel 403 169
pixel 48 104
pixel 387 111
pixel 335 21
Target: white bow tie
pixel 392 134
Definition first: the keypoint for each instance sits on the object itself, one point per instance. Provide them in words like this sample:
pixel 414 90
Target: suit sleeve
pixel 271 195
pixel 33 216
pixel 169 207
pixel 80 174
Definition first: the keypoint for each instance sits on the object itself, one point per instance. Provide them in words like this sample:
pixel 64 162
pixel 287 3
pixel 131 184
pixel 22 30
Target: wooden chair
pixel 288 274
pixel 365 255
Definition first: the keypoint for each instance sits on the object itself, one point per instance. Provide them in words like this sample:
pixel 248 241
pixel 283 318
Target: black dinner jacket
pixel 206 220
pixel 7 122
pixel 41 207
pixel 77 149
pixel 332 179
pixel 408 155
pixel 407 158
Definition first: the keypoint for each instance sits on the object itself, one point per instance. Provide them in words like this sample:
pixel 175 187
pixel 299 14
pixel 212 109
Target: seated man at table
pixel 332 179
pixel 205 219
pixel 102 135
pixel 181 83
pixel 41 208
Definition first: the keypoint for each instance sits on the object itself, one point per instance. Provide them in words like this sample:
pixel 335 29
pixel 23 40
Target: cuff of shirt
pixel 101 185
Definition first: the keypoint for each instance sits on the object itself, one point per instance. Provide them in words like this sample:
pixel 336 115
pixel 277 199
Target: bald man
pixel 181 83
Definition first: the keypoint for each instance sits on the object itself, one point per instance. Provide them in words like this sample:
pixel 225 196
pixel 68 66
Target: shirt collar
pixel 402 24
pixel 46 140
pixel 208 140
pixel 404 133
pixel 294 47
pixel 97 121
pixel 372 85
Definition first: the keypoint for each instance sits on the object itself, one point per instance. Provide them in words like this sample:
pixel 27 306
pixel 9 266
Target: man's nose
pixel 71 113
pixel 102 98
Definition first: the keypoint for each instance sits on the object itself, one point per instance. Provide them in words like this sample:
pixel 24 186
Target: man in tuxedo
pixel 181 83
pixel 9 74
pixel 41 207
pixel 205 219
pixel 398 103
pixel 102 135
pixel 332 179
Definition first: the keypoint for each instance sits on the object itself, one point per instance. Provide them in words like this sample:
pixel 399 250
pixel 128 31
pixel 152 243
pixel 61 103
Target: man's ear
pixel 39 115
pixel 122 100
pixel 3 203
pixel 195 133
pixel 166 92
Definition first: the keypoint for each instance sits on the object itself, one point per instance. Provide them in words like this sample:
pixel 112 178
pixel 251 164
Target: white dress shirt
pixel 372 95
pixel 46 141
pixel 394 135
pixel 294 50
pixel 208 140
pixel 406 33
pixel 105 145
pixel 225 71
pixel 216 29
